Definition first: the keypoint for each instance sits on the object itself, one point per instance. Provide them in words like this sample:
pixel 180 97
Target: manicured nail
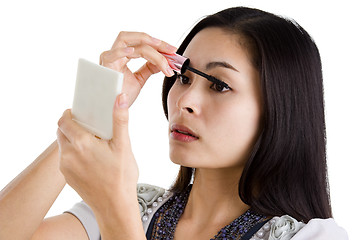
pixel 129 49
pixel 122 100
pixel 171 48
pixel 169 71
pixel 156 41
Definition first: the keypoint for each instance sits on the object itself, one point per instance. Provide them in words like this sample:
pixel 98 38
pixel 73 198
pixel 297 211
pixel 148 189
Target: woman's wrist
pixel 120 219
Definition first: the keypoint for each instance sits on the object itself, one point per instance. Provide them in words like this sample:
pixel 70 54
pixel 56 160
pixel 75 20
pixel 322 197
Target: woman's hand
pixel 129 45
pixel 98 169
pixel 103 172
pixel 110 165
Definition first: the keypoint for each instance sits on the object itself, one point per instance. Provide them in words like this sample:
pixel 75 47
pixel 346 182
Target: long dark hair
pixel 286 172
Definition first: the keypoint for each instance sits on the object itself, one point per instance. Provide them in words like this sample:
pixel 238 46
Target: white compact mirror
pixel 95 92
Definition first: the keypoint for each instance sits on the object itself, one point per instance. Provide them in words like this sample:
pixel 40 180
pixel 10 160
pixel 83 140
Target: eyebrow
pixel 211 65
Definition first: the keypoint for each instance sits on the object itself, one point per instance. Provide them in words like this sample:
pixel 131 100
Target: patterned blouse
pixel 152 198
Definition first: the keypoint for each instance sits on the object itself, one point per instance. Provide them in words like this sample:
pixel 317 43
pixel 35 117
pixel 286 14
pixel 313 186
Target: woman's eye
pixel 183 79
pixel 219 87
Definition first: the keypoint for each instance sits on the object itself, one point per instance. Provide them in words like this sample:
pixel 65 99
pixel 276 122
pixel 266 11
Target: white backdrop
pixel 41 42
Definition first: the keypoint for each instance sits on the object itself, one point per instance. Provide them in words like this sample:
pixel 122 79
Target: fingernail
pixel 171 48
pixel 128 49
pixel 156 41
pixel 122 101
pixel 169 71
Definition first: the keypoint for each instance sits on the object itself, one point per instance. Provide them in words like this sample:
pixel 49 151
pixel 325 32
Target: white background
pixel 41 42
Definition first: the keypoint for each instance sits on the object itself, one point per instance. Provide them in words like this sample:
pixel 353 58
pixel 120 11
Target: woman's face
pixel 226 123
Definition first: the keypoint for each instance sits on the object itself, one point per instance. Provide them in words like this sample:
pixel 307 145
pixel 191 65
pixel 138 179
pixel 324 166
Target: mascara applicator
pixel 180 64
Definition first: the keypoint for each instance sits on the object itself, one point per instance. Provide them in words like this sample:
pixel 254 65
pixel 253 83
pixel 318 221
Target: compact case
pixel 96 90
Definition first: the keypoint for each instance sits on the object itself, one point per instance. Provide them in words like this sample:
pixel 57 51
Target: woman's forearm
pixel 25 201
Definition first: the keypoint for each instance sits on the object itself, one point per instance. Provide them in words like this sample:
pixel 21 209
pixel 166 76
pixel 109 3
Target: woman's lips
pixel 182 133
pixel 182 137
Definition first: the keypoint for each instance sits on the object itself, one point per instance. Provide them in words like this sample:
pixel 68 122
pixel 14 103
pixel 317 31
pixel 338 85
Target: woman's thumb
pixel 120 120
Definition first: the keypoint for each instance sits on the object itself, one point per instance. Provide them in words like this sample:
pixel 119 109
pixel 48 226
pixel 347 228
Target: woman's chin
pixel 182 163
pixel 185 161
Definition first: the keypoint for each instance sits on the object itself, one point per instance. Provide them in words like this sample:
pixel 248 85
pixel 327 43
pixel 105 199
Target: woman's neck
pixel 214 199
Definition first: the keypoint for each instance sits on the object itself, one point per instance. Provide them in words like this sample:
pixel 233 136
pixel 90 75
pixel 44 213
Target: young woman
pixel 246 127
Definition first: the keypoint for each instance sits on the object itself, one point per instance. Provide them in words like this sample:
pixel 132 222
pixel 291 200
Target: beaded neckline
pixel 167 216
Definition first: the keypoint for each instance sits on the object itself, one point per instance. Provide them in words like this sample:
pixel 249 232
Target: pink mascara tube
pixel 177 62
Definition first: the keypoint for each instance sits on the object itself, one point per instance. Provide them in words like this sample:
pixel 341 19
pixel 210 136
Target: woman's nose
pixel 190 100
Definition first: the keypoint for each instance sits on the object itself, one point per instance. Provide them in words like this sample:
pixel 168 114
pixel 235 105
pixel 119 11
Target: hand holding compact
pixel 104 172
pixel 101 171
pixel 130 45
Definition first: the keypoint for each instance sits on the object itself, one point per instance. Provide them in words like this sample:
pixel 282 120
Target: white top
pixel 150 198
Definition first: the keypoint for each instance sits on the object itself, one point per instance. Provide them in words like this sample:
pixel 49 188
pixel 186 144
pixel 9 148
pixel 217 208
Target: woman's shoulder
pixel 151 195
pixel 150 199
pixel 148 191
pixel 286 227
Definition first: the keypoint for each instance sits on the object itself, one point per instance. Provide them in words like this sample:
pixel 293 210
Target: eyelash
pixel 180 76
